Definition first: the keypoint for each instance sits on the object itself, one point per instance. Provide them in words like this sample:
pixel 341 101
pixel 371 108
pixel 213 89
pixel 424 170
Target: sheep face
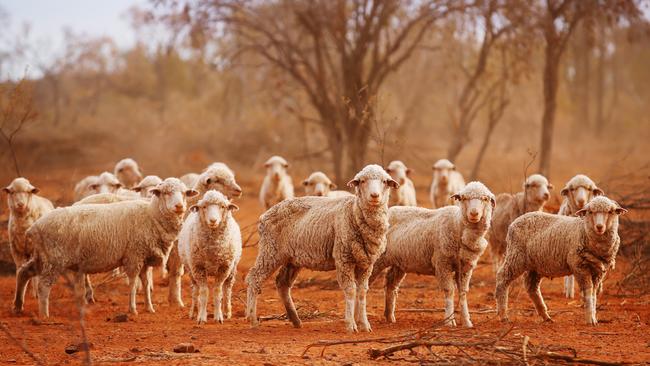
pixel 19 195
pixel 105 183
pixel 318 184
pixel 601 215
pixel 580 190
pixel 128 172
pixel 537 189
pixel 171 194
pixel 373 184
pixel 476 202
pixel 442 169
pixel 398 171
pixel 146 185
pixel 222 181
pixel 213 209
pixel 276 168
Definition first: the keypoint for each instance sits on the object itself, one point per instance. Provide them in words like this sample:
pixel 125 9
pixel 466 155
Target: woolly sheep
pixel 405 194
pixel 545 245
pixel 277 185
pixel 98 238
pixel 217 176
pixel 576 193
pixel 319 184
pixel 209 244
pixel 148 183
pixel 25 207
pixel 103 183
pixel 324 234
pixel 189 179
pixel 437 242
pixel 535 194
pixel 127 172
pixel 446 182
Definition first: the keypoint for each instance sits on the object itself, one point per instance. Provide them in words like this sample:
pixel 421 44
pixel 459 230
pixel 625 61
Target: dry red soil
pixel 623 335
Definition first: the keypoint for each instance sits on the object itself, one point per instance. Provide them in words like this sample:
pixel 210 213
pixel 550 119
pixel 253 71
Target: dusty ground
pixel 623 335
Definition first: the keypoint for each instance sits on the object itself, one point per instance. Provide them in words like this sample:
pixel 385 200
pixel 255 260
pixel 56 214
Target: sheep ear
pixel 493 201
pixel 191 193
pixel 598 192
pixel 233 207
pixel 550 187
pixel 387 170
pixel 286 166
pixel 6 190
pixel 207 181
pixel 581 213
pixel 453 167
pixel 194 208
pixel 409 171
pixel 564 191
pixel 353 183
pixel 305 182
pixel 137 188
pixel 155 192
pixel 118 185
pixel 620 211
pixel 455 197
pixel 35 190
pixel 393 183
pixel 333 186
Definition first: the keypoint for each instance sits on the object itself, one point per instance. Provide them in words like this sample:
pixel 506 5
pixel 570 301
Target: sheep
pixel 446 182
pixel 209 244
pixel 103 183
pixel 319 233
pixel 127 172
pixel 535 194
pixel 277 185
pixel 319 184
pixel 217 176
pixel 25 207
pixel 576 193
pixel 189 179
pixel 405 195
pixel 446 242
pixel 97 238
pixel 147 183
pixel 546 245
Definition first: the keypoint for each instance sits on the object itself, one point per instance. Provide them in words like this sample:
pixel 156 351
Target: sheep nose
pixel 237 191
pixel 402 181
pixel 599 227
pixel 319 193
pixel 20 205
pixel 374 195
pixel 213 221
pixel 547 196
pixel 581 202
pixel 473 213
pixel 178 206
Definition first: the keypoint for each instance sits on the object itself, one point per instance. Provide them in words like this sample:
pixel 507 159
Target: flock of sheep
pixel 124 222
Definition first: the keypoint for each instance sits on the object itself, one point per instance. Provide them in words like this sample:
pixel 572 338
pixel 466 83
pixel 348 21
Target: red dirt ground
pixel 623 335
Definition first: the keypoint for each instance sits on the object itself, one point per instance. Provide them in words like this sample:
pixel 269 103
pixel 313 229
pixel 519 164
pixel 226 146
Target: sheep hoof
pixel 469 324
pixel 366 328
pixel 255 323
pixel 151 310
pixel 391 319
pixel 90 300
pixel 133 311
pixel 548 320
pixel 17 310
pixel 297 324
pixel 200 322
pixel 352 328
pixel 505 319
pixel 219 319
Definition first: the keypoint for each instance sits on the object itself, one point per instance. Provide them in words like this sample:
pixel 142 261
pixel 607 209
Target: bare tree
pixel 338 52
pixel 17 110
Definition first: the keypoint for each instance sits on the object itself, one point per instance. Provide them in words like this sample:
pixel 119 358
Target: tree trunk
pixel 481 152
pixel 551 65
pixel 600 84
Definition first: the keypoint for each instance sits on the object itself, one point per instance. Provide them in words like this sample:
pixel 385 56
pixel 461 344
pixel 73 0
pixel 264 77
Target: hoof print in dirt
pixel 119 318
pixel 185 348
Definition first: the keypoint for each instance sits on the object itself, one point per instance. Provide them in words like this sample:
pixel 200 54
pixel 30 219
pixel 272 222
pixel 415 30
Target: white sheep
pixel 147 183
pixel 189 179
pixel 319 184
pixel 217 176
pixel 25 207
pixel 97 238
pixel 324 234
pixel 405 194
pixel 127 172
pixel 545 245
pixel 576 193
pixel 445 242
pixel 103 183
pixel 209 244
pixel 535 194
pixel 446 182
pixel 277 185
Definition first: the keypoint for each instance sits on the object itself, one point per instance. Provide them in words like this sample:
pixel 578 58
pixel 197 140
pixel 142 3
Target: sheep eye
pixel 94 186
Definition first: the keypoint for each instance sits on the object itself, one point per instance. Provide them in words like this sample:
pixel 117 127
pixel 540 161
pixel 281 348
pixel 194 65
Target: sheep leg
pixel 283 282
pixel 532 282
pixel 89 295
pixel 511 268
pixel 145 278
pixel 230 282
pixel 362 277
pixel 463 289
pixel 394 278
pixel 220 279
pixel 24 273
pixel 132 272
pixel 202 284
pixel 446 281
pixel 569 287
pixel 345 278
pixel 195 294
pixel 34 282
pixel 48 278
pixel 587 290
pixel 268 261
pixel 175 273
